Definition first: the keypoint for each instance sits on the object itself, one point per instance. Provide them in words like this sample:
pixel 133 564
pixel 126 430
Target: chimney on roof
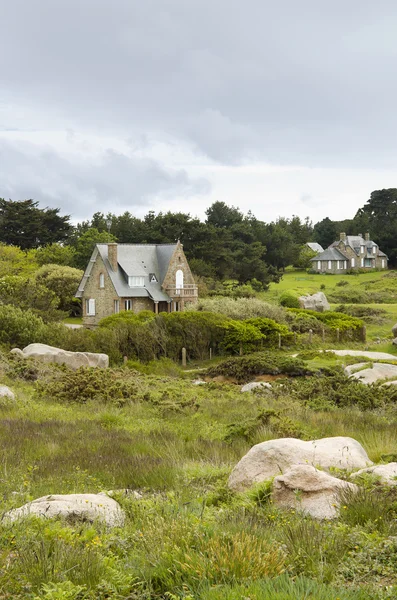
pixel 367 237
pixel 112 255
pixel 360 235
pixel 343 237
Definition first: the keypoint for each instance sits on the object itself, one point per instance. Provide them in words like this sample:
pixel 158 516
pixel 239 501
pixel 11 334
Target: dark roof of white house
pixel 330 254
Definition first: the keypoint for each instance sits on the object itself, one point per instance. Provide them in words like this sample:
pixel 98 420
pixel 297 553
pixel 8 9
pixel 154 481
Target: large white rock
pixel 316 302
pixel 74 360
pixel 386 473
pixel 5 392
pixel 371 372
pixel 253 385
pixel 80 507
pixel 275 457
pixel 305 488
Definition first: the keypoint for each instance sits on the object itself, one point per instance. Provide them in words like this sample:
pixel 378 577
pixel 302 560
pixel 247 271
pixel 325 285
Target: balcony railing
pixel 187 291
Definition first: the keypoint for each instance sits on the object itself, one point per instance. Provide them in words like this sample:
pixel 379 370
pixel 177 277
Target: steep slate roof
pixel 315 246
pixel 330 254
pixel 138 260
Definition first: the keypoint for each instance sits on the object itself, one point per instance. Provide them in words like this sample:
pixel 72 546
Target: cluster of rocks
pixel 300 472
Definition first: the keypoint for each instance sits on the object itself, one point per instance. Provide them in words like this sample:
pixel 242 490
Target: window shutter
pixel 91 307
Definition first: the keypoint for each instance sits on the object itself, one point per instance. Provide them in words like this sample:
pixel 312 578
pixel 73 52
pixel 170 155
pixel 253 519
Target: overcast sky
pixel 280 107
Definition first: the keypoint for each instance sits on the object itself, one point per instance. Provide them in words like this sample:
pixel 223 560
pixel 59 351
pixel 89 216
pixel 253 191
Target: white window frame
pixel 116 306
pixel 90 307
pixel 134 281
pixel 362 249
pixel 345 264
pixel 329 265
pixel 353 262
pixel 128 304
pixel 362 262
pixel 383 263
pixel 319 265
pixel 101 280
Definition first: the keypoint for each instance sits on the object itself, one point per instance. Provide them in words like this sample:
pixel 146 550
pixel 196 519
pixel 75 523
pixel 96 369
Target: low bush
pixel 243 368
pixel 241 308
pixel 88 383
pixel 20 327
pixel 332 388
pixel 289 300
pixel 366 313
pixel 332 321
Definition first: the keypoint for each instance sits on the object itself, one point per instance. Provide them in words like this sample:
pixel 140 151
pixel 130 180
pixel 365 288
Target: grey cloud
pixel 114 182
pixel 293 82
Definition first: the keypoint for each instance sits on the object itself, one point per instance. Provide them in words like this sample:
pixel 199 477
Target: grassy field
pixel 189 537
pixel 305 283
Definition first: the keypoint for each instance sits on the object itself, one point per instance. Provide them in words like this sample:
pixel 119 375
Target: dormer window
pixel 136 281
pixel 101 280
pixel 362 249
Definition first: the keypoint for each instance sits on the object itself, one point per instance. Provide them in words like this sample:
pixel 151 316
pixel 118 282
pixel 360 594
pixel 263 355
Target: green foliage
pixel 25 225
pixel 241 308
pixel 366 313
pixel 85 245
pixel 285 588
pixel 88 383
pixel 270 330
pixel 243 368
pixel 29 294
pixel 303 260
pixel 332 320
pixel 63 281
pixel 289 300
pixel 19 327
pixel 240 336
pixel 335 389
pixel 14 261
pixel 55 254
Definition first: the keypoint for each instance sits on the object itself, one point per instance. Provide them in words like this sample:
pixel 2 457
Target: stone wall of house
pixel 138 304
pixel 178 261
pixel 325 269
pixel 104 297
pixel 378 262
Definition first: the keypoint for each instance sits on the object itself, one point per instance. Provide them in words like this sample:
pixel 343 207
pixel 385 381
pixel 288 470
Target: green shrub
pixel 366 313
pixel 20 327
pixel 240 336
pixel 241 308
pixel 332 320
pixel 88 383
pixel 289 300
pixel 270 330
pixel 243 368
pixel 332 388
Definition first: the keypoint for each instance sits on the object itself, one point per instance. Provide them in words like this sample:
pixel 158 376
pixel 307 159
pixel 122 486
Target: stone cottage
pixel 135 277
pixel 350 252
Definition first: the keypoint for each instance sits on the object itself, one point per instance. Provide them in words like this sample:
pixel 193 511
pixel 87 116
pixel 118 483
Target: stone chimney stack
pixel 367 237
pixel 360 235
pixel 343 237
pixel 112 255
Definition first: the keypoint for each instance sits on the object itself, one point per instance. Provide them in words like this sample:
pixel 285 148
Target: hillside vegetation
pixel 176 443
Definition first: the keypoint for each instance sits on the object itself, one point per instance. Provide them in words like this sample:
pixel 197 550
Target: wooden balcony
pixel 187 292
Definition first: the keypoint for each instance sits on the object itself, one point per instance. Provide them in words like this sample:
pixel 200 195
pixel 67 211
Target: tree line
pixel 226 245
